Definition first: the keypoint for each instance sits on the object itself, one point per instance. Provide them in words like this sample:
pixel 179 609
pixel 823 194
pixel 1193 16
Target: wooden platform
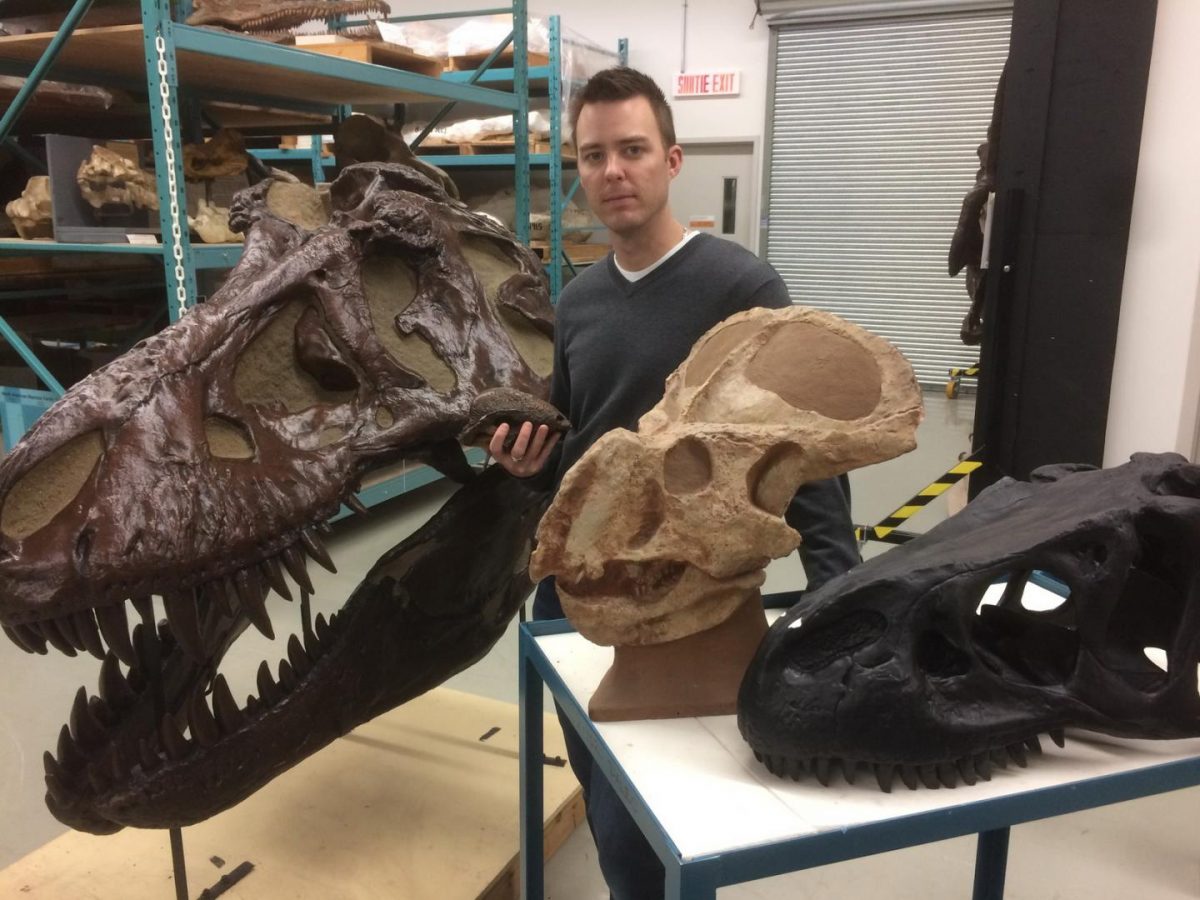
pixel 381 53
pixel 577 253
pixel 119 51
pixel 471 61
pixel 410 806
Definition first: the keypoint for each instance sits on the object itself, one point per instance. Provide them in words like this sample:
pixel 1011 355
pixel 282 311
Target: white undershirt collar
pixel 688 234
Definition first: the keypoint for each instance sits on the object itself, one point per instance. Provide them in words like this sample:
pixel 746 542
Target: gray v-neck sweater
pixel 616 342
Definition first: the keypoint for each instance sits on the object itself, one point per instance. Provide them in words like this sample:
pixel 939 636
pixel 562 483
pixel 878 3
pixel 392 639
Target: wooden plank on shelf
pixel 469 62
pixel 411 805
pixel 381 53
pixel 577 253
pixel 118 51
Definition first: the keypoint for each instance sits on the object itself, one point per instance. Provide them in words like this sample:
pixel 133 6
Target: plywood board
pixel 469 62
pixel 381 53
pixel 119 51
pixel 412 805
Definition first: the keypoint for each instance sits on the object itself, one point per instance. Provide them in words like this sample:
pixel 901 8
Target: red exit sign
pixel 726 83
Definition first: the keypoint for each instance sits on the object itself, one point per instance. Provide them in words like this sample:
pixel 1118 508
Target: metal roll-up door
pixel 874 127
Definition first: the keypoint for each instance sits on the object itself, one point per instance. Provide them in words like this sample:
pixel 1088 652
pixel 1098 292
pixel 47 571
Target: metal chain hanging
pixel 164 91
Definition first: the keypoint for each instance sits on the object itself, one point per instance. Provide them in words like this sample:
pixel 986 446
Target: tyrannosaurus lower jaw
pixel 175 748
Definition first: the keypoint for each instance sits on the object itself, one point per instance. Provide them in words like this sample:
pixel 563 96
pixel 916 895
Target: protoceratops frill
pixel 663 533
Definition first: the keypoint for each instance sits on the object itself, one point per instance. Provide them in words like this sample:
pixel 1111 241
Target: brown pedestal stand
pixel 698 675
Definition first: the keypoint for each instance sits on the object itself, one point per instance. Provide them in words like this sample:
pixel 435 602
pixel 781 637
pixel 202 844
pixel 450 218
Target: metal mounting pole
pixel 521 116
pixel 556 251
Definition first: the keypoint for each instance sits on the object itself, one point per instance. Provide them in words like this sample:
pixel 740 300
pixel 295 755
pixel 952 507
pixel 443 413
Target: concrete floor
pixel 1144 848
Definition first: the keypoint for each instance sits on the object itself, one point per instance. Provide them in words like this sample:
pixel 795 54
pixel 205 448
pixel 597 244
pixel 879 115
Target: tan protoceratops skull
pixel 32 213
pixel 662 533
pixel 107 178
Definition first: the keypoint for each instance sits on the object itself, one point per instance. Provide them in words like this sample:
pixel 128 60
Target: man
pixel 621 328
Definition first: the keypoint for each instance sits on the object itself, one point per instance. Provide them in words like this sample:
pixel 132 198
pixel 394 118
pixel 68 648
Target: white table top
pixel 702 783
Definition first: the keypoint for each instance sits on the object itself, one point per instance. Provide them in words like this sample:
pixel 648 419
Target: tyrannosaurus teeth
pixel 966 770
pixel 1056 735
pixel 323 630
pixel 928 775
pixel 356 505
pixel 267 688
pixel 114 689
pixel 301 664
pixel 1017 752
pixel 31 638
pixel 68 752
pixel 101 712
pixel 89 633
pixel 317 550
pixel 947 774
pixel 99 781
pixel 84 727
pixel 229 717
pixel 200 718
pixel 1033 745
pixel 885 774
pixel 293 561
pixel 908 774
pixel 114 625
pixel 850 770
pixel 52 633
pixel 312 644
pixel 17 638
pixel 144 606
pixel 287 677
pixel 184 620
pixel 820 768
pixel 999 757
pixel 150 759
pixel 62 795
pixel 983 765
pixel 173 741
pixel 273 572
pixel 53 767
pixel 249 590
pixel 66 627
pixel 116 764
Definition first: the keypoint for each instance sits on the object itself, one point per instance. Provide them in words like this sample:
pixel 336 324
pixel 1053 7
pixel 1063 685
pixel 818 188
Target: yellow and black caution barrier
pixel 886 529
pixel 956 377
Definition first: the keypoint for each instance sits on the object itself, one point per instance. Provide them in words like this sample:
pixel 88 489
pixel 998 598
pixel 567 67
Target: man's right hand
pixel 529 451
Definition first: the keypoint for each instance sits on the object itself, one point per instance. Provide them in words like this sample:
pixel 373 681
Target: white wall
pixel 719 36
pixel 1156 376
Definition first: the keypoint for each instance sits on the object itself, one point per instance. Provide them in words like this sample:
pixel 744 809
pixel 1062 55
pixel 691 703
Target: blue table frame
pixel 698 878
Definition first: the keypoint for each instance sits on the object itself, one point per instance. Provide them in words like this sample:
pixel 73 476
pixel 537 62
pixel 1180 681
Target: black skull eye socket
pixel 937 657
pixel 813 648
pixel 1027 636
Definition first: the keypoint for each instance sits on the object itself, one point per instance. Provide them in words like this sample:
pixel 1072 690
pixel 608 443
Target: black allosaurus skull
pixel 200 467
pixel 898 668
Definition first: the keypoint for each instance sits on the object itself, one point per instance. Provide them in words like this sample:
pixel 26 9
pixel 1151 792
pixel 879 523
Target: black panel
pixel 1069 141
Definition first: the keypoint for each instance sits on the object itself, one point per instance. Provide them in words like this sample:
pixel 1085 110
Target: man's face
pixel 624 167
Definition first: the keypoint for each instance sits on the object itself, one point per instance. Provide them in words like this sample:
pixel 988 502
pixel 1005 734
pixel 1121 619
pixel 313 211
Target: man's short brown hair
pixel 621 83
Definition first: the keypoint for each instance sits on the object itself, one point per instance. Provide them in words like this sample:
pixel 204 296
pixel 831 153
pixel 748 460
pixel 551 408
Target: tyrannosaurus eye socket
pixel 390 288
pixel 495 268
pixel 288 364
pixel 228 439
pixel 49 487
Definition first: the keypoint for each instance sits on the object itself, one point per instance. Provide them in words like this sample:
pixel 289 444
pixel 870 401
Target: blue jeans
pixel 630 866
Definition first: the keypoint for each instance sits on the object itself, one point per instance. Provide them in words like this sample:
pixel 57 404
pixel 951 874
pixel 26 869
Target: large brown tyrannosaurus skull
pixel 196 466
pixel 664 532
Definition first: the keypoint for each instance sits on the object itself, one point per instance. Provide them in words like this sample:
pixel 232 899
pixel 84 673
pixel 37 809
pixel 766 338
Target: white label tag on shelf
pixel 145 239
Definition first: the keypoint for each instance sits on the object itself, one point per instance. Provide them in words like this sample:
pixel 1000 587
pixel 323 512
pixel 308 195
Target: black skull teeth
pixel 967 770
pixel 101 748
pixel 188 608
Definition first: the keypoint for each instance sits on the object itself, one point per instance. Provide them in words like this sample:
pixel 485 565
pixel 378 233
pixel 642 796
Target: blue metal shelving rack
pixel 180 63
